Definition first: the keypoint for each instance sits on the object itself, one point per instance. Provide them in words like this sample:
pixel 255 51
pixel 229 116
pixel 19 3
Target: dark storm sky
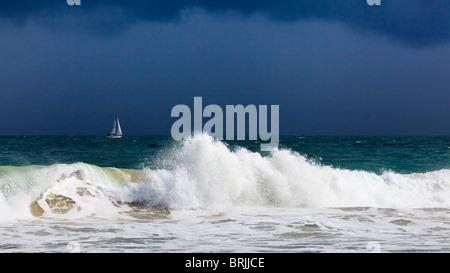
pixel 334 67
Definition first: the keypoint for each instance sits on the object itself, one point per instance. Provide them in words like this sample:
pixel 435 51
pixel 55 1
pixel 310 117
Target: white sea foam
pixel 60 190
pixel 206 174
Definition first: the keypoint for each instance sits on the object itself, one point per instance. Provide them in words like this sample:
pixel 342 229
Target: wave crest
pixel 206 174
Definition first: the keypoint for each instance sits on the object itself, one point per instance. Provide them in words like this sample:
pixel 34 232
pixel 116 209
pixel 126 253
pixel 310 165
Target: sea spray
pixel 61 190
pixel 152 194
pixel 205 173
pixel 202 173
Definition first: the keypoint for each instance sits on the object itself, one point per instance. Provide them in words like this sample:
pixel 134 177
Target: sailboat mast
pixel 113 131
pixel 119 130
pixel 116 131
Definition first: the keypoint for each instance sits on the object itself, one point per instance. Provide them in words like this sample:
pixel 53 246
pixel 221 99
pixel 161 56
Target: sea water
pixel 154 194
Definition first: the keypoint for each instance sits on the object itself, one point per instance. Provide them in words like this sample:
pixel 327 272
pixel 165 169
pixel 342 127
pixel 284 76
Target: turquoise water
pixel 376 154
pixel 153 194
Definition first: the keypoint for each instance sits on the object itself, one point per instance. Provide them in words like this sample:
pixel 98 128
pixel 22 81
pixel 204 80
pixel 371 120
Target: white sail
pixel 113 131
pixel 119 130
pixel 116 131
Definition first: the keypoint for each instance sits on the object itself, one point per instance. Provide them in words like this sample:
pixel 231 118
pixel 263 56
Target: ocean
pixel 154 194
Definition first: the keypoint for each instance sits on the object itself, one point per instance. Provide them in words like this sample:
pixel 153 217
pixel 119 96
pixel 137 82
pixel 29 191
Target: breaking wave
pixel 206 174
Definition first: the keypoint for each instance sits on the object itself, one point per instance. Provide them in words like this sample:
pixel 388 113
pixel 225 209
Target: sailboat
pixel 116 131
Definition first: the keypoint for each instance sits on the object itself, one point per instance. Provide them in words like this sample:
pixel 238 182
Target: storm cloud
pixel 415 23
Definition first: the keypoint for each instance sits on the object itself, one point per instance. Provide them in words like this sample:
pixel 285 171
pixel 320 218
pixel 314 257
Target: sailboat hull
pixel 116 131
pixel 113 136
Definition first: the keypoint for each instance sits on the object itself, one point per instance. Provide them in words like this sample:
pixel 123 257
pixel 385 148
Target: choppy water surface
pixel 150 194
